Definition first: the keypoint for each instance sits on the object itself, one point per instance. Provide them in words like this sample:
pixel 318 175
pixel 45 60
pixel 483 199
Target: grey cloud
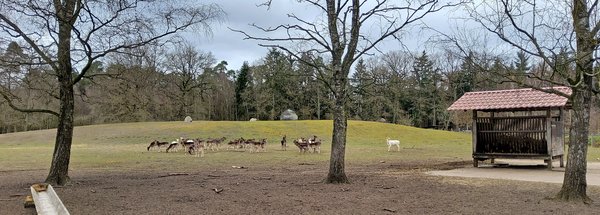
pixel 230 46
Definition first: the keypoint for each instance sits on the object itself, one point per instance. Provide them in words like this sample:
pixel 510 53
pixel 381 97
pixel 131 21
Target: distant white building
pixel 188 119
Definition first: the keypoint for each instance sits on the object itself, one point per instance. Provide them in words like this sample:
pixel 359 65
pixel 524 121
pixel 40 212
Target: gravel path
pixel 520 170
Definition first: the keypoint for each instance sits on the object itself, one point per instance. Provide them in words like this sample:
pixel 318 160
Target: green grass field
pixel 123 146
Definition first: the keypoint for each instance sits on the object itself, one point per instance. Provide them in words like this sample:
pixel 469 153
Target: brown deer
pixel 258 145
pixel 284 143
pixel 315 144
pixel 215 143
pixel 156 144
pixel 197 148
pixel 302 144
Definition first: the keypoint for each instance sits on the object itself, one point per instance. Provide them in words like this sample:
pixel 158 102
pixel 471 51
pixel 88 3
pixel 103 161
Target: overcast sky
pixel 230 46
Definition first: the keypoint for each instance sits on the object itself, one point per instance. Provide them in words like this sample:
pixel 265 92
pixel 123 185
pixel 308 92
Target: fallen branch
pixel 173 174
pixel 262 178
pixel 389 210
pixel 306 164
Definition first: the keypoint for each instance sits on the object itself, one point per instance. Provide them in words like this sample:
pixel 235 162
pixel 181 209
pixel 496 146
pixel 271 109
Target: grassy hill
pixel 124 145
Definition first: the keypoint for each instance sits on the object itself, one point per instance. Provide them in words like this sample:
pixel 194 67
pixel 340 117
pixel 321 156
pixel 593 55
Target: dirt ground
pixel 381 188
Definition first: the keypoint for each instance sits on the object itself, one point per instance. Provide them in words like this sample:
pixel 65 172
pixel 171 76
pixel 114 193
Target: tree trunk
pixel 341 68
pixel 434 116
pixel 337 174
pixel 318 104
pixel 59 169
pixel 182 108
pixel 209 109
pixel 575 184
pixel 273 107
pixel 338 145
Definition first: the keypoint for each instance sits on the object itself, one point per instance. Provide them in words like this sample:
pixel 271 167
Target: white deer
pixel 391 143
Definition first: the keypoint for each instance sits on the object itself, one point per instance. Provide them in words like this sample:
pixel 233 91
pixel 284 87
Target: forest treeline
pixel 152 84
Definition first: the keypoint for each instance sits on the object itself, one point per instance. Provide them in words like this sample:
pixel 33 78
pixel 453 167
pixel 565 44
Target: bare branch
pixel 15 28
pixel 10 103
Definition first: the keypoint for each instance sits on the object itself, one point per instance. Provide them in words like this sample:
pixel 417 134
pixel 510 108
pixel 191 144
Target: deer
pixel 258 145
pixel 156 144
pixel 391 143
pixel 315 144
pixel 197 148
pixel 214 143
pixel 302 144
pixel 284 143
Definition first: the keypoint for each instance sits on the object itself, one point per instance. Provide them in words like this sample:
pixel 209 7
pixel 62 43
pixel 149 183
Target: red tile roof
pixel 511 99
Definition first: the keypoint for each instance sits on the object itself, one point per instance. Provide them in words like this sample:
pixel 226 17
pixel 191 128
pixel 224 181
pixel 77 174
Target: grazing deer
pixel 248 144
pixel 302 144
pixel 152 145
pixel 156 144
pixel 186 143
pixel 172 146
pixel 235 144
pixel 391 143
pixel 258 145
pixel 232 144
pixel 197 148
pixel 212 143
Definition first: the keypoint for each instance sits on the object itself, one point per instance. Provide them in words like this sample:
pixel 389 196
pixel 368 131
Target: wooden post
pixel 494 127
pixel 474 133
pixel 562 138
pixel 549 138
pixel 562 162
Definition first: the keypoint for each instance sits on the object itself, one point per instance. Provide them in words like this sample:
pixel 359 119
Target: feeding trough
pixel 46 200
pixel 516 124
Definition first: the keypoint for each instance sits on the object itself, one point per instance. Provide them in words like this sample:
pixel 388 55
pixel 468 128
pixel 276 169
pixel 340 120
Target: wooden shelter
pixel 520 123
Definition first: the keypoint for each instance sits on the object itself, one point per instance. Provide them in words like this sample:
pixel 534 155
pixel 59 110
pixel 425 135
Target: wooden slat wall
pixel 512 135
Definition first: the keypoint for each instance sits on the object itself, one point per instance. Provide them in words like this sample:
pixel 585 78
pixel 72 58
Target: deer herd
pixel 198 146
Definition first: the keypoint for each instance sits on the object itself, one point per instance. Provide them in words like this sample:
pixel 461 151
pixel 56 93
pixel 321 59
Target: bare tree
pixel 547 31
pixel 340 34
pixel 69 35
pixel 186 66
